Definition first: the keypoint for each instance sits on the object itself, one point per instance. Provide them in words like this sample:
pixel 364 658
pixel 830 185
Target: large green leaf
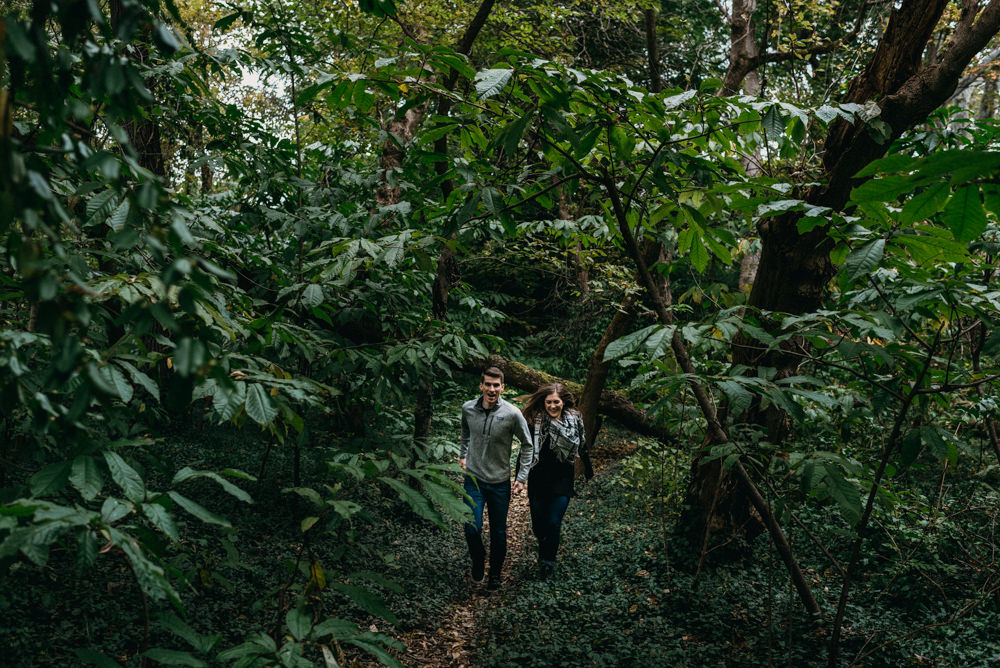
pixel 863 260
pixel 366 600
pixel 125 477
pixel 417 502
pixel 259 406
pixel 197 510
pixel 50 479
pixel 925 204
pixel 964 214
pixel 843 492
pixel 629 343
pixel 173 657
pixel 86 477
pixel 161 519
pixel 490 82
pixel 738 396
pixel 188 473
pixel 299 622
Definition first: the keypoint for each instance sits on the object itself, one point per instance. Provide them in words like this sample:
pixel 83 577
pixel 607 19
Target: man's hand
pixel 461 462
pixel 517 487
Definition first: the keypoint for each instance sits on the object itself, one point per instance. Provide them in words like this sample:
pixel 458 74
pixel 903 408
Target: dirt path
pixel 453 643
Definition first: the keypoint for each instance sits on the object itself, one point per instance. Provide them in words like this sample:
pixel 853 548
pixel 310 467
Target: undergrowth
pixel 619 600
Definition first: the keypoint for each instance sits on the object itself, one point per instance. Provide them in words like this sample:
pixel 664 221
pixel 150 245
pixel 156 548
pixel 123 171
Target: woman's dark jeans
pixel 547 513
pixel 496 499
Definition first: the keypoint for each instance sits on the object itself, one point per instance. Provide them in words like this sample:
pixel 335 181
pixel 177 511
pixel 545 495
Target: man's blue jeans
pixel 546 522
pixel 496 499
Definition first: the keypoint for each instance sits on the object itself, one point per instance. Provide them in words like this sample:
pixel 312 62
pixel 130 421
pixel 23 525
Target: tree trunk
pixel 743 51
pixel 795 268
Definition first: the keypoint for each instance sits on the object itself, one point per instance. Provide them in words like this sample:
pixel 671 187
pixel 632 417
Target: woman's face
pixel 554 405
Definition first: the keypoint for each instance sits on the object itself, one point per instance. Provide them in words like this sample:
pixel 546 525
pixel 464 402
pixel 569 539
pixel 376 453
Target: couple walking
pixel 550 430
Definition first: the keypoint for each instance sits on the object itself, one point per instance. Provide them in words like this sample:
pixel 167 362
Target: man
pixel 489 425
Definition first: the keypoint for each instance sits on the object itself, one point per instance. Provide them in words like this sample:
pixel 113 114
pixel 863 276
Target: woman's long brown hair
pixel 536 403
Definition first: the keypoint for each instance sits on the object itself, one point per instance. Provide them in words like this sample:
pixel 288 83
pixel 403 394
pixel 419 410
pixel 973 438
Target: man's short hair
pixel 493 372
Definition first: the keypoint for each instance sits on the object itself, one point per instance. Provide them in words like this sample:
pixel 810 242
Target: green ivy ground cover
pixel 615 602
pixel 616 599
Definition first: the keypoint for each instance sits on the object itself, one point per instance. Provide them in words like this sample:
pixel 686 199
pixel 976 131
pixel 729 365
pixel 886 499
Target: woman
pixel 557 428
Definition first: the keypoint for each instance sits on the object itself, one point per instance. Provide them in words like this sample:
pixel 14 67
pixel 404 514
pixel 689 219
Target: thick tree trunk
pixel 598 369
pixel 795 269
pixel 743 51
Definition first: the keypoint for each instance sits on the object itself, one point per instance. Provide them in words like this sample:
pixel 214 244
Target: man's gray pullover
pixel 487 436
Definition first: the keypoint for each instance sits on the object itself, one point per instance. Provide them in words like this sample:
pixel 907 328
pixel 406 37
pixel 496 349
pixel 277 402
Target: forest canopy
pixel 253 256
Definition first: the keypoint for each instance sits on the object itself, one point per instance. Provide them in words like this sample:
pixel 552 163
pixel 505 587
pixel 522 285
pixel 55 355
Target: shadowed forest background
pixel 255 254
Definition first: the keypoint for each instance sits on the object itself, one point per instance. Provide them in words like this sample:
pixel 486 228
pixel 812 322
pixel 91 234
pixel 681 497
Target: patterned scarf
pixel 563 435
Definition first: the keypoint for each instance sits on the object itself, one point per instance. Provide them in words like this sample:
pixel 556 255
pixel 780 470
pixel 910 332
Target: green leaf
pixel 161 519
pixel 367 601
pixel 125 477
pixel 117 380
pixel 299 623
pixel 259 406
pixel 189 356
pixel 420 505
pixel 140 378
pixel 226 21
pixel 444 497
pixel 150 576
pixel 863 260
pixel 925 204
pixel 844 493
pixel 99 203
pixel 188 473
pixel 258 644
pixel 117 220
pixel 936 445
pixel 86 477
pixel 490 82
pixel 885 189
pixel 338 628
pixel 227 400
pixel 312 295
pixel 698 253
pixel 493 200
pixel 964 214
pixel 307 493
pixel 50 479
pixel 629 343
pixel 198 511
pixel 622 142
pixel 738 396
pixel 926 249
pixel 114 509
pixel 510 136
pixel 772 123
pixel 173 657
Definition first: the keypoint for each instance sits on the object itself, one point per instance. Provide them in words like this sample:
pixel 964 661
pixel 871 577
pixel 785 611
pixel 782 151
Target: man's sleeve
pixel 527 455
pixel 464 450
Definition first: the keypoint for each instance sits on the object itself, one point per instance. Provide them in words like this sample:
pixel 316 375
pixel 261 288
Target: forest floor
pixel 452 642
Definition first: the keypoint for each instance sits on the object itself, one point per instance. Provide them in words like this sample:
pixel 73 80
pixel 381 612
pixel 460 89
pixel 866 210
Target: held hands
pixel 461 462
pixel 517 488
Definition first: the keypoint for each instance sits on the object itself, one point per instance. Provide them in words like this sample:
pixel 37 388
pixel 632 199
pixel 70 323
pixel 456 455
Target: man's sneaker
pixel 493 584
pixel 546 570
pixel 478 572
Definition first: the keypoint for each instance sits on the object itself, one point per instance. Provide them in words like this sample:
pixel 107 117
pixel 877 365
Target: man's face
pixel 491 387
